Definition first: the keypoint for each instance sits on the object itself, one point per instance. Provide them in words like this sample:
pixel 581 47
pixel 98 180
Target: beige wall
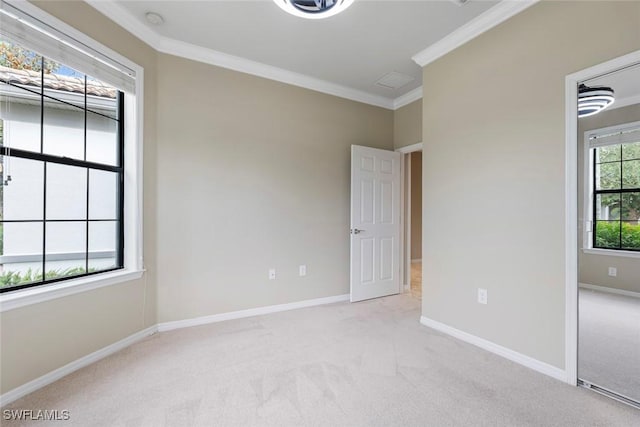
pixel 593 269
pixel 416 205
pixel 255 175
pixel 242 173
pixel 493 134
pixel 407 124
pixel 40 338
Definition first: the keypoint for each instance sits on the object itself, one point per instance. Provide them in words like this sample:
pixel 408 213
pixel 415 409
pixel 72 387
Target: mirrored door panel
pixel 609 235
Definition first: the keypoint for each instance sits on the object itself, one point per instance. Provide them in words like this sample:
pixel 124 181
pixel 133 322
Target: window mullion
pixel 620 205
pixel 120 242
pixel 16 152
pixel 44 181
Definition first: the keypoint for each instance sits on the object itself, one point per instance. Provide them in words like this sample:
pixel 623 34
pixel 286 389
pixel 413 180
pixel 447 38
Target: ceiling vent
pixel 394 80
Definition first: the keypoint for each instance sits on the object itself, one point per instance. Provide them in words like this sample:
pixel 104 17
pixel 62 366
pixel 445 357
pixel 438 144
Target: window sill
pixel 24 297
pixel 608 252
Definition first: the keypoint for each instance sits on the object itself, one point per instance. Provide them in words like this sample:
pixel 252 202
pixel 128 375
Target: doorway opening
pixel 412 219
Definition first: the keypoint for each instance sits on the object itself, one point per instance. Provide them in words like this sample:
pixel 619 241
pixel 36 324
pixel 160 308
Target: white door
pixel 375 223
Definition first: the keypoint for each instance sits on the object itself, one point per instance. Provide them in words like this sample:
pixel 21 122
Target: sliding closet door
pixel 609 263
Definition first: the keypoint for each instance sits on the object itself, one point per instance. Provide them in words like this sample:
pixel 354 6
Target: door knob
pixel 356 231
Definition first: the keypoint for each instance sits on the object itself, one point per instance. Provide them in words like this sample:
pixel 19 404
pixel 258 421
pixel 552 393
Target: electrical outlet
pixel 482 296
pixel 272 274
pixel 613 272
pixel 302 270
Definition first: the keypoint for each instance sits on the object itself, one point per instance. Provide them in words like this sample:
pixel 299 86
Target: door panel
pixel 375 223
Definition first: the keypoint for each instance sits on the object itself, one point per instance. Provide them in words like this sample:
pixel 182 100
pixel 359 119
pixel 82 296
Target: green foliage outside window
pixel 608 235
pixel 11 278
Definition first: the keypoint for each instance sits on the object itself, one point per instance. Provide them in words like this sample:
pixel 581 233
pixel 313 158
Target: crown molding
pixel 489 19
pixel 472 29
pixel 126 20
pixel 174 47
pixel 243 65
pixel 407 98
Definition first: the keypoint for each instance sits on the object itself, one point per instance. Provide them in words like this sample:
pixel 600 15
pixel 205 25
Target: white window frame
pixel 133 195
pixel 587 234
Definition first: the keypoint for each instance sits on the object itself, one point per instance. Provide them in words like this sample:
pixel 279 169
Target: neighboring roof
pixel 56 82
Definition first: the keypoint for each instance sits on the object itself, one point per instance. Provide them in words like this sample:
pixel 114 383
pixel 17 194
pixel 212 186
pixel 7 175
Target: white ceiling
pixel 625 84
pixel 351 50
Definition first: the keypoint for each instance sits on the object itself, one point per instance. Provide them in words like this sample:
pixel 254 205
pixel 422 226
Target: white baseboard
pixel 609 290
pixel 514 356
pixel 168 326
pixel 55 375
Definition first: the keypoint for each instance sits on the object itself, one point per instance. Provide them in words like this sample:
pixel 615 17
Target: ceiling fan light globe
pixel 313 9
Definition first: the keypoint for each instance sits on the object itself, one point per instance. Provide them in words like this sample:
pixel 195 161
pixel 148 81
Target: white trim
pixel 489 19
pixel 126 20
pixel 67 369
pixel 407 98
pixel 587 192
pixel 610 252
pixel 258 311
pixel 410 148
pixel 138 177
pixel 494 16
pixel 571 231
pixel 38 294
pixel 405 276
pixel 604 68
pixel 405 212
pixel 492 347
pixel 610 290
pixel 480 24
pixel 133 203
pixel 236 63
pixel 407 219
pixel 571 203
pixel 182 49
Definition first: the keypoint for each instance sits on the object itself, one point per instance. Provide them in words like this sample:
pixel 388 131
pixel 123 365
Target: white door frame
pixel 405 214
pixel 571 202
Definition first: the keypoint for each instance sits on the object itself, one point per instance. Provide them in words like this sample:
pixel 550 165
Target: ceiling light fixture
pixel 592 100
pixel 154 18
pixel 313 9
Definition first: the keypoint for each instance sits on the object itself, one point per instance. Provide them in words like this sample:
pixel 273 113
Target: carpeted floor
pixel 364 364
pixel 609 342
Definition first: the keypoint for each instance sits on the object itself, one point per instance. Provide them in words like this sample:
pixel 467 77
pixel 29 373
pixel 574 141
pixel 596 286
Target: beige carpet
pixel 363 364
pixel 609 342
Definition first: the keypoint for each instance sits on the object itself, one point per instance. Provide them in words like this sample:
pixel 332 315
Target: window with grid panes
pixel 61 198
pixel 615 172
